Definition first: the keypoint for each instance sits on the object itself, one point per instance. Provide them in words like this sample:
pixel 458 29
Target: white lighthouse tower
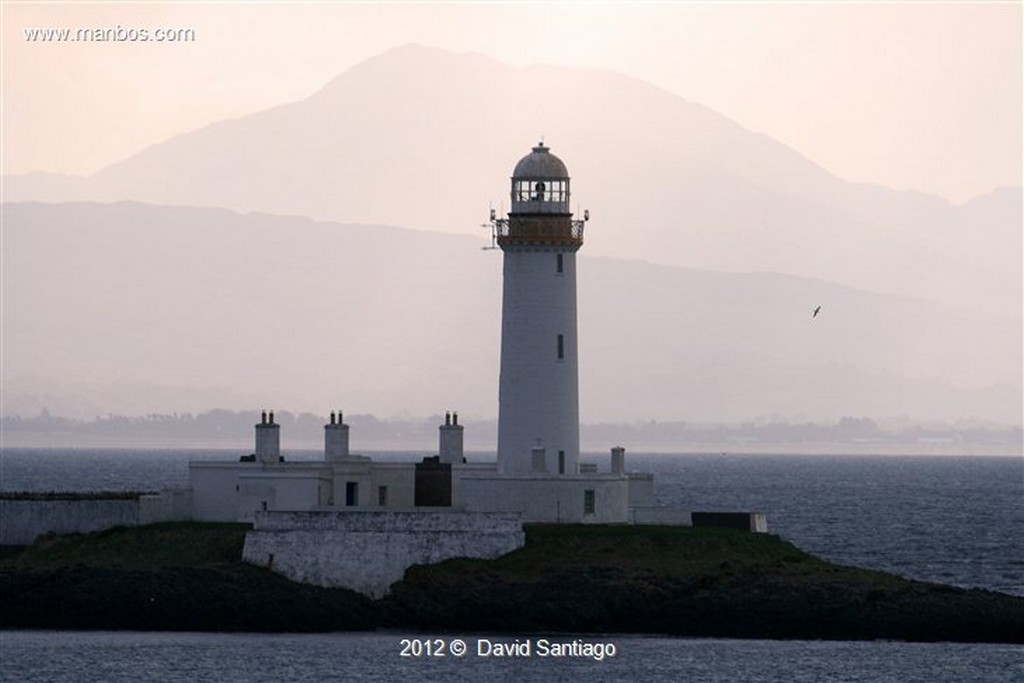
pixel 538 401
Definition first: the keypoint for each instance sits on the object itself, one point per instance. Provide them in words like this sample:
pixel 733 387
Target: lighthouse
pixel 538 395
pixel 537 476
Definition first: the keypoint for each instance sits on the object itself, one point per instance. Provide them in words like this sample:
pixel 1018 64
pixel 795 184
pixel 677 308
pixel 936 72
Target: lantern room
pixel 540 214
pixel 540 184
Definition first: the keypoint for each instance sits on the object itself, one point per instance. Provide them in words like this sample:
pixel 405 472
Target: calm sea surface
pixel 247 658
pixel 955 520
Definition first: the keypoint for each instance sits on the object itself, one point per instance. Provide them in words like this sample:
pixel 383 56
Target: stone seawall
pixel 367 551
pixel 24 518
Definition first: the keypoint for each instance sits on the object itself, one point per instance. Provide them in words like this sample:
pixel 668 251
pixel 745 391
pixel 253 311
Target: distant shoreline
pixel 229 430
pixel 482 452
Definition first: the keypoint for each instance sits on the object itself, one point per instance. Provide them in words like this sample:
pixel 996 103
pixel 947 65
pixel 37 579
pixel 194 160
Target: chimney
pixel 450 440
pixel 268 440
pixel 335 439
pixel 618 460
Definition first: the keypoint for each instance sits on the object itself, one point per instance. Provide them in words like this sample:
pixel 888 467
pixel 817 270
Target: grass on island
pixel 656 550
pixel 570 578
pixel 651 551
pixel 640 551
pixel 154 546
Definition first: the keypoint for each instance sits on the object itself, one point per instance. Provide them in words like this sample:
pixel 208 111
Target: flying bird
pixel 816 312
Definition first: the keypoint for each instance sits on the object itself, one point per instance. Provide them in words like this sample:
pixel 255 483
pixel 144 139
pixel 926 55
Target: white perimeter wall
pixel 22 521
pixel 672 516
pixel 367 551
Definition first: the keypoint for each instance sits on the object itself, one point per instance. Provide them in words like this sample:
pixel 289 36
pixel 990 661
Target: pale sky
pixel 923 96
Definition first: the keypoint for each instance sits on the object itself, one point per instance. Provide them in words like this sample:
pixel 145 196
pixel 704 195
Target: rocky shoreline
pixel 579 579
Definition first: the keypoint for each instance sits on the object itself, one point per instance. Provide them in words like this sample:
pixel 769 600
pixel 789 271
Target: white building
pixel 264 481
pixel 537 473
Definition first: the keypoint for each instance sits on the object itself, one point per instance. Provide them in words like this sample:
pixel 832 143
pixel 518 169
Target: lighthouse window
pixel 559 264
pixel 561 347
pixel 588 502
pixel 540 191
pixel 561 462
pixel 522 191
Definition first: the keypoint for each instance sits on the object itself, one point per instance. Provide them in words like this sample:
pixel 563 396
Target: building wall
pixel 641 488
pixel 280 489
pixel 233 491
pixel 215 489
pixel 368 550
pixel 363 480
pixel 400 480
pixel 549 499
pixel 467 469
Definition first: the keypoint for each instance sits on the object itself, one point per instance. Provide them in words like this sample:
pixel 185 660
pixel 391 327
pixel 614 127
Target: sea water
pixel 114 657
pixel 955 520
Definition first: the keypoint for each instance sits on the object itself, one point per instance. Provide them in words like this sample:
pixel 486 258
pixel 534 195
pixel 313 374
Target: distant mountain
pixel 424 138
pixel 132 308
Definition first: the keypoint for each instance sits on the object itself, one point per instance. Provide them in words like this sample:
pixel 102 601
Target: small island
pixel 680 581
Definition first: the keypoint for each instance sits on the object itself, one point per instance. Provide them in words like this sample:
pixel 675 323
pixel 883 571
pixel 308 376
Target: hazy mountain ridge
pixel 423 138
pixel 207 307
pixel 921 299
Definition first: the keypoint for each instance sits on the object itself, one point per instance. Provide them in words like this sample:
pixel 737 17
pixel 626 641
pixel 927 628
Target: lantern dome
pixel 540 164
